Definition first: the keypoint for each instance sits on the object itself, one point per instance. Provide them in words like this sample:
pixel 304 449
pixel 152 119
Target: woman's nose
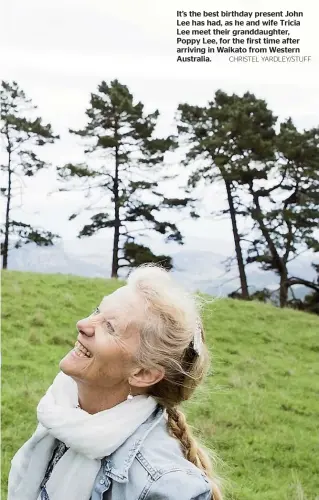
pixel 85 326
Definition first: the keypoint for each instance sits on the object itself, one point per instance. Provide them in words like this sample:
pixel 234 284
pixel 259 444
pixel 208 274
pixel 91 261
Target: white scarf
pixel 89 438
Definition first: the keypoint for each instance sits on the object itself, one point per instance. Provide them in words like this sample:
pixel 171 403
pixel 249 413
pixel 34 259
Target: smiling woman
pixel 109 425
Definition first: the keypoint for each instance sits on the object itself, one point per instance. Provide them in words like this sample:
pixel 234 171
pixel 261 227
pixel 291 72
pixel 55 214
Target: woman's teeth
pixel 81 351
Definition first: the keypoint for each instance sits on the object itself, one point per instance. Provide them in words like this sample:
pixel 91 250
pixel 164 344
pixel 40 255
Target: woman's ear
pixel 145 377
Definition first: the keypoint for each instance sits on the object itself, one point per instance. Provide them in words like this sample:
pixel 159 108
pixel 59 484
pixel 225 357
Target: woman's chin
pixel 65 363
pixel 70 361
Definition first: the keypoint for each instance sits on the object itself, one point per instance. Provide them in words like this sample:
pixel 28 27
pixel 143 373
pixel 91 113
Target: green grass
pixel 259 409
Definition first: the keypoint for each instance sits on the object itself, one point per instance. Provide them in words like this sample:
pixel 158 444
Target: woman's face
pixel 111 337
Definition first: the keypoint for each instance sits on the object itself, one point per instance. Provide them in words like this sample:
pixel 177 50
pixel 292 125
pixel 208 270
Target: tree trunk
pixel 283 291
pixel 280 263
pixel 7 222
pixel 239 255
pixel 116 238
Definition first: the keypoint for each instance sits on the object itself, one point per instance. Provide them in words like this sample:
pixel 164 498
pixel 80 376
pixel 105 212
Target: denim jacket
pixel 150 466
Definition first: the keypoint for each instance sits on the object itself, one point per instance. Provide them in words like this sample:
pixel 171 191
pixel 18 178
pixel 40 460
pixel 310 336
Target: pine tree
pixel 22 136
pixel 229 136
pixel 285 207
pixel 126 169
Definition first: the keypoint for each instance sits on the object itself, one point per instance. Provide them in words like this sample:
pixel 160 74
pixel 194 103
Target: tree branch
pixel 293 280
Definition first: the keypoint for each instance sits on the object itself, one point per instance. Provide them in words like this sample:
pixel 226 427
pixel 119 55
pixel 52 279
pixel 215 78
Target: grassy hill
pixel 259 409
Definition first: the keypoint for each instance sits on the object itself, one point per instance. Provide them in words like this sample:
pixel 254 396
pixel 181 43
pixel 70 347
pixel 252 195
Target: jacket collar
pixel 117 465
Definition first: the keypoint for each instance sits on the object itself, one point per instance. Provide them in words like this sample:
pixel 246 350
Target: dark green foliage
pixel 126 168
pixel 135 255
pixel 22 137
pixel 263 295
pixel 28 234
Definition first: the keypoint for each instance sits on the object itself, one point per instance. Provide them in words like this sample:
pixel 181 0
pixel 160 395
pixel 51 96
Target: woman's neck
pixel 94 400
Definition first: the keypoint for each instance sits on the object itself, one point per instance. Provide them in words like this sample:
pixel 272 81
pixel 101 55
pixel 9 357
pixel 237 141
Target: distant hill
pixel 197 269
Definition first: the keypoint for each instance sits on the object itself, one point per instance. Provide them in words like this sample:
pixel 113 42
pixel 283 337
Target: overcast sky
pixel 59 52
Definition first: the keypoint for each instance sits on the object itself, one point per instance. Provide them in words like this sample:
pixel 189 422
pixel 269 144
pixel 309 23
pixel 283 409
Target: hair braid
pixel 179 429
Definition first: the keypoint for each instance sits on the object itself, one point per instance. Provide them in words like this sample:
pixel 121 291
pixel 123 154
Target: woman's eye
pixel 109 326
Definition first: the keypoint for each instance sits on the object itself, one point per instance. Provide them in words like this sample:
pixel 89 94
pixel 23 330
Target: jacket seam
pixel 147 466
pixel 151 481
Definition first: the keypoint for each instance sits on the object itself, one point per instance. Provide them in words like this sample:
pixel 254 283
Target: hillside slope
pixel 259 408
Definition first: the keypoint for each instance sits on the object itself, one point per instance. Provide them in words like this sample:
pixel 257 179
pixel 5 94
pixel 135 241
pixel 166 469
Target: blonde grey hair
pixel 171 316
